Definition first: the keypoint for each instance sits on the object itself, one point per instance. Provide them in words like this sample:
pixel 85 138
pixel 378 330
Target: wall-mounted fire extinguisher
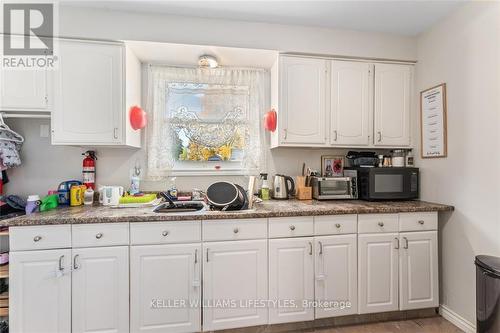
pixel 89 169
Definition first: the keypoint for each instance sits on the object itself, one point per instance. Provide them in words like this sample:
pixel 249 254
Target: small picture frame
pixel 332 166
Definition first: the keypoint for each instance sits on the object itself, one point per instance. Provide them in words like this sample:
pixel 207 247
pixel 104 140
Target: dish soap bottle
pixel 172 189
pixel 264 190
pixel 135 180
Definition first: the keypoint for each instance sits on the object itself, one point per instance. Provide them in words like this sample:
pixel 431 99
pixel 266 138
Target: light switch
pixel 44 130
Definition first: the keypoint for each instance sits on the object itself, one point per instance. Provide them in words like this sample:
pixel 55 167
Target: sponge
pixel 130 199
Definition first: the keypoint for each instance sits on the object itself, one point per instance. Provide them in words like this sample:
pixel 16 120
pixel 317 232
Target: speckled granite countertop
pixel 272 208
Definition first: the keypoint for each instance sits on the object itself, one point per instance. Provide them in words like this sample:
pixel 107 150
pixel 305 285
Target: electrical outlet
pixel 44 131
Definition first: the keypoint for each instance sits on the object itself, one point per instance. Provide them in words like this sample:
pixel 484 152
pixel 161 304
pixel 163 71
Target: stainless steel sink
pixel 181 207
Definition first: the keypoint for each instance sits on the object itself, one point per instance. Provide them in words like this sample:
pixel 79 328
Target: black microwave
pixel 391 183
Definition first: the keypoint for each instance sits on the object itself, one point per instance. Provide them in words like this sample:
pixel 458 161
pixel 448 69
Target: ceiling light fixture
pixel 207 61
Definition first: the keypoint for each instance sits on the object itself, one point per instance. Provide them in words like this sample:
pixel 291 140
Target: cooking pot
pixel 227 196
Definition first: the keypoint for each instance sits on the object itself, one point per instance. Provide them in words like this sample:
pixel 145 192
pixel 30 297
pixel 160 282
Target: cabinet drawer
pixel 215 230
pixel 418 221
pixel 165 232
pixel 291 226
pixel 368 223
pixel 41 237
pixel 100 234
pixel 335 224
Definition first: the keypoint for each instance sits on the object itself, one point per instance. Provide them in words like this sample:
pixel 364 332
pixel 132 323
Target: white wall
pixel 463 51
pixel 44 166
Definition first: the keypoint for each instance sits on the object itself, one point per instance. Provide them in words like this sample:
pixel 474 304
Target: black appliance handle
pixel 290 189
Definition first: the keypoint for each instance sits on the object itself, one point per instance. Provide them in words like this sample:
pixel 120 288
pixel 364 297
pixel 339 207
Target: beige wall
pixel 45 166
pixel 463 52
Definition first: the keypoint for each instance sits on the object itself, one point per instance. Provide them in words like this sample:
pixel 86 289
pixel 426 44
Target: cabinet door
pixel 392 104
pixel 167 277
pixel 378 272
pixel 336 276
pixel 100 290
pixel 291 279
pixel 419 285
pixel 25 90
pixel 234 275
pixel 40 291
pixel 351 103
pixel 302 115
pixel 89 89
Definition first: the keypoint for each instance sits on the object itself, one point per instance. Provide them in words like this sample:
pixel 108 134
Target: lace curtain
pixel 208 108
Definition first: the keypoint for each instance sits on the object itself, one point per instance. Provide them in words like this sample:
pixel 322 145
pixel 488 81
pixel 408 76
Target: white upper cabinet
pixel 419 283
pixel 100 290
pixel 378 257
pixel 91 106
pixel 323 102
pixel 336 275
pixel 392 105
pixel 291 279
pixel 302 113
pixel 351 103
pixel 234 271
pixel 26 89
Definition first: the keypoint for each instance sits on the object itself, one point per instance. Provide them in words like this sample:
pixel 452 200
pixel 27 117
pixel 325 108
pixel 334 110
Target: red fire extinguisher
pixel 89 169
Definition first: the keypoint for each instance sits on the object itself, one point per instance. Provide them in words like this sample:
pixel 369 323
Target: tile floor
pixel 425 325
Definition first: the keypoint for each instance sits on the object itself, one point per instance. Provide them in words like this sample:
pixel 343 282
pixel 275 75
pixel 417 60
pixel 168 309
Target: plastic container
pixel 398 158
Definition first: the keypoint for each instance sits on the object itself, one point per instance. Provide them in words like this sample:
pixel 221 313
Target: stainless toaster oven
pixel 329 188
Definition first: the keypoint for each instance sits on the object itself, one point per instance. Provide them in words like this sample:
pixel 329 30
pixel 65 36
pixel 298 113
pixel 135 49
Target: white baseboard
pixel 456 319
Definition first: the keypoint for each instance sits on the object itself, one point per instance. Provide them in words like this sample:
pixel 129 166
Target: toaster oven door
pixel 335 187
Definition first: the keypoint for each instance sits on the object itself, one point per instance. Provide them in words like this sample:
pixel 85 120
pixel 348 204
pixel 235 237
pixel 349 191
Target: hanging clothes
pixel 10 146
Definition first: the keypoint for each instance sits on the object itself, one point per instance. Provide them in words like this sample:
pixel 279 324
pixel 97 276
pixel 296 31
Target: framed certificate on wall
pixel 433 127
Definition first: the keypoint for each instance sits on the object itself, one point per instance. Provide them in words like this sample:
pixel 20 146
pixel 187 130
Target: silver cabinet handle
pixel 61 263
pixel 292 227
pixel 320 248
pixel 207 254
pixel 406 243
pixel 195 256
pixel 335 135
pixel 99 235
pixel 165 233
pixel 310 248
pixel 397 243
pixel 337 225
pixel 75 264
pixel 421 222
pixel 381 224
pixel 236 230
pixel 379 135
pixel 115 133
pixel 37 238
pixel 286 133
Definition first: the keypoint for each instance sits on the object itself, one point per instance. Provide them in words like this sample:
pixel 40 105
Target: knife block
pixel 303 193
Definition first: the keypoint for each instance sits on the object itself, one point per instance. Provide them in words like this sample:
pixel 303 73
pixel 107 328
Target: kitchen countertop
pixel 272 208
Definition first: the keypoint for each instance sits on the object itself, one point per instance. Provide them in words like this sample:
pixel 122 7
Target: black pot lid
pixel 222 193
pixel 489 263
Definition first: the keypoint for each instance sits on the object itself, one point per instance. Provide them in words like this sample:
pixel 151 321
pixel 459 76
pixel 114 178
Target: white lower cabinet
pixel 336 276
pixel 234 274
pixel 419 283
pixel 100 290
pixel 378 257
pixel 40 291
pixel 291 279
pixel 165 288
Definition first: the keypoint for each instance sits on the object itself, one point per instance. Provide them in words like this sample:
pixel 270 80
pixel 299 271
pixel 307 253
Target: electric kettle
pixel 283 187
